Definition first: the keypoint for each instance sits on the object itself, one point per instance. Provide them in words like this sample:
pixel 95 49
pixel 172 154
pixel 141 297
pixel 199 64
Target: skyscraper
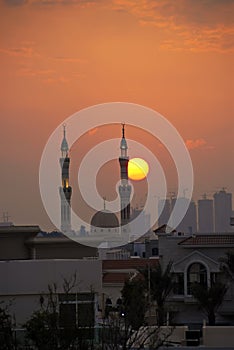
pixel 189 221
pixel 164 207
pixel 205 215
pixel 223 211
pixel 65 190
pixel 124 188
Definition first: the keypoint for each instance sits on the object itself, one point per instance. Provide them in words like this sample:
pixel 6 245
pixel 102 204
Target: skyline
pixel 58 58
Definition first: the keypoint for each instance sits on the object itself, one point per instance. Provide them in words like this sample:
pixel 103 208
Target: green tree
pixel 134 303
pixel 42 329
pixel 127 328
pixel 159 283
pixel 126 318
pixel 209 299
pixel 6 331
pixel 54 325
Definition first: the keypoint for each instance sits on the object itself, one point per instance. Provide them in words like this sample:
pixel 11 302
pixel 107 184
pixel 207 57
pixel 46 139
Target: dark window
pixel 213 278
pixel 178 288
pixel 196 274
pixel 67 315
pixel 76 310
pixel 85 315
pixel 154 251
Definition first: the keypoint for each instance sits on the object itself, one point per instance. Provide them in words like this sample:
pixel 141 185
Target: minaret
pixel 65 190
pixel 124 188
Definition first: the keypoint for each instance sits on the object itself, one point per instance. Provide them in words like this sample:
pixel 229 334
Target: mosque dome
pixel 105 219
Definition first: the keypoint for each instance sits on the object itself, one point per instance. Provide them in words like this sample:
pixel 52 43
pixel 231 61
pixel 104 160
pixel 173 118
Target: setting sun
pixel 138 169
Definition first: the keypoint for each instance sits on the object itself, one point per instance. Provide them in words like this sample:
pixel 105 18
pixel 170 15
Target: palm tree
pixel 209 299
pixel 159 283
pixel 228 263
pixel 134 303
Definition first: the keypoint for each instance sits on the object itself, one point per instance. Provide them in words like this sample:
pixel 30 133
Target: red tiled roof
pixel 206 240
pixel 133 263
pixel 115 277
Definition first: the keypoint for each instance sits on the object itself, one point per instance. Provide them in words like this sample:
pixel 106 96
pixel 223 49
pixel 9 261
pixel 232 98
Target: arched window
pixel 154 251
pixel 196 273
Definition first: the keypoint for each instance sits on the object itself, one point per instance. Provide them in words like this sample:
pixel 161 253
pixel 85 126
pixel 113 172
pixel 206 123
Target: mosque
pixel 104 222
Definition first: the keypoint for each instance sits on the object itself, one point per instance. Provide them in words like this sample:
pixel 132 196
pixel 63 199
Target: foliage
pixel 126 328
pixel 122 324
pixel 228 261
pixel 209 299
pixel 6 333
pixel 48 329
pixel 134 303
pixel 42 330
pixel 160 283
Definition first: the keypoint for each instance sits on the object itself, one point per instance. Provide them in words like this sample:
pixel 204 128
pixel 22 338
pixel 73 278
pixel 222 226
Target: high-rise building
pixel 189 222
pixel 164 207
pixel 124 188
pixel 140 226
pixel 222 211
pixel 205 215
pixel 65 190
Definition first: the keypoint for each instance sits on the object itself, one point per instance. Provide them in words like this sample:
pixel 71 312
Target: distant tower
pixel 222 210
pixel 65 190
pixel 164 207
pixel 189 221
pixel 124 188
pixel 205 215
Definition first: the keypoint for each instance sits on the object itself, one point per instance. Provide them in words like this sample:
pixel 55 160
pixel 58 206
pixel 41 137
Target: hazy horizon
pixel 58 57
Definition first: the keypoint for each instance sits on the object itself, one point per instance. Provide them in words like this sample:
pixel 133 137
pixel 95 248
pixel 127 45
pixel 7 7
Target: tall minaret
pixel 124 188
pixel 65 190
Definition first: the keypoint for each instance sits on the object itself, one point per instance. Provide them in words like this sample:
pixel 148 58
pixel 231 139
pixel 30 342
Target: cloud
pixel 48 76
pixel 68 59
pixel 50 2
pixel 15 2
pixel 23 51
pixel 200 25
pixel 35 72
pixel 197 143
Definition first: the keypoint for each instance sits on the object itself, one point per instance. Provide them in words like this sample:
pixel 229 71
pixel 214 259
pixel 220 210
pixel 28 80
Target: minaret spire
pixel 124 188
pixel 65 190
pixel 123 143
pixel 123 131
pixel 64 144
pixel 64 130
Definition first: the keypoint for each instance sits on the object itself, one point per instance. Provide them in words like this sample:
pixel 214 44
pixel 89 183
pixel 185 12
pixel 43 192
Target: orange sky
pixel 57 57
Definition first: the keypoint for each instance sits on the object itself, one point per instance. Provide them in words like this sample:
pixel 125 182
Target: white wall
pixel 22 282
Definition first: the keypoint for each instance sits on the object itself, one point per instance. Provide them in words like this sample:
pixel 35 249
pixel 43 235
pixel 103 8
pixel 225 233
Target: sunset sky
pixel 57 57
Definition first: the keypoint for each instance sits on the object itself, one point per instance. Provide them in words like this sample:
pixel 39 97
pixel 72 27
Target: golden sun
pixel 138 169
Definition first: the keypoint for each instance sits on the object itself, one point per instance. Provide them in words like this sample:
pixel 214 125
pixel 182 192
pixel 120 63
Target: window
pixel 178 288
pixel 76 310
pixel 197 273
pixel 154 251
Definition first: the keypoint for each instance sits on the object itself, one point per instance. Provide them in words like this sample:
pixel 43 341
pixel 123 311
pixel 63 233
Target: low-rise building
pixel 197 258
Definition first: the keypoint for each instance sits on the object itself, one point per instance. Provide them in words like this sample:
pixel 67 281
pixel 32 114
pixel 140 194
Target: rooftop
pixel 132 263
pixel 223 239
